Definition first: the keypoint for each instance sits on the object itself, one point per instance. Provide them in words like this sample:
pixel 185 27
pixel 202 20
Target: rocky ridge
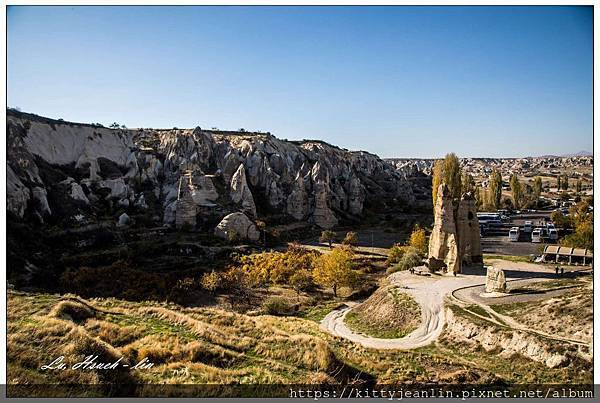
pixel 188 177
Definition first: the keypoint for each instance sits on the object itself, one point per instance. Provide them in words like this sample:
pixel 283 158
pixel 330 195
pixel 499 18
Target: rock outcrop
pixel 443 242
pixel 228 171
pixel 240 192
pixel 455 239
pixel 185 207
pixel 469 234
pixel 495 281
pixel 237 226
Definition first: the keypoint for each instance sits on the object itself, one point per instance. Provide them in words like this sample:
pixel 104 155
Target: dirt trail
pixel 430 292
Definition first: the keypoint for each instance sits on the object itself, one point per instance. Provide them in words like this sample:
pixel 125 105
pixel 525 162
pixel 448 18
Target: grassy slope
pixel 216 346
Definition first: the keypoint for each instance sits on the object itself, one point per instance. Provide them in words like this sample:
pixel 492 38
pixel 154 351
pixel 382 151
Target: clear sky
pixel 396 81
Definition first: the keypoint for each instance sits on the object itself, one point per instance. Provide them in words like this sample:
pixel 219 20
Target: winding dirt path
pixel 430 292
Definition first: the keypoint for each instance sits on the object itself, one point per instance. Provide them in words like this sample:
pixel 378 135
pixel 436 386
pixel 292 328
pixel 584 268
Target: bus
pixel 528 226
pixel 513 234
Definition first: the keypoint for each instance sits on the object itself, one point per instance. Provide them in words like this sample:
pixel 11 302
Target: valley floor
pixel 199 346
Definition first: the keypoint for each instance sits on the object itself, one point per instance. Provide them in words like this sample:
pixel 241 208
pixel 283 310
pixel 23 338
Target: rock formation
pixel 182 173
pixel 240 192
pixel 495 280
pixel 443 243
pixel 455 239
pixel 237 226
pixel 185 208
pixel 469 236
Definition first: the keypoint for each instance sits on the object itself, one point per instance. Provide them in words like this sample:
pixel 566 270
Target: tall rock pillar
pixel 443 243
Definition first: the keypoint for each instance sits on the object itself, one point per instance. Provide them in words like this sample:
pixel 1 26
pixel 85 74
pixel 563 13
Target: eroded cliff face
pixel 187 176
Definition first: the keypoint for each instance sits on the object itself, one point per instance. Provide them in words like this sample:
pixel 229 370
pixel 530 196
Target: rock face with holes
pixel 495 281
pixel 59 169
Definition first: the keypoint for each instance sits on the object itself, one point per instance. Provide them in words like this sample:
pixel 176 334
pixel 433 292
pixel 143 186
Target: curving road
pixel 430 292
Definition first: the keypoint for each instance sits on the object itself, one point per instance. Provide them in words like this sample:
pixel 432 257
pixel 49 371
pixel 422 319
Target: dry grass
pixel 202 345
pixel 388 313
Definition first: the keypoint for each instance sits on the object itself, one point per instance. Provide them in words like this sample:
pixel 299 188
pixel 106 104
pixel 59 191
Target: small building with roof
pixel 567 255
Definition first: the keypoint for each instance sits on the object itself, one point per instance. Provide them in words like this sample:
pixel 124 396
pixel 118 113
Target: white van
pixel 513 234
pixel 528 226
pixel 552 234
pixel 536 235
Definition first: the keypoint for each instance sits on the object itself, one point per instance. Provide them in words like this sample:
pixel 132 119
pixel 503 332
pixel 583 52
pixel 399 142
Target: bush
pixel 210 281
pixel 351 239
pixel 277 306
pixel 410 258
pixel 395 254
pixel 301 281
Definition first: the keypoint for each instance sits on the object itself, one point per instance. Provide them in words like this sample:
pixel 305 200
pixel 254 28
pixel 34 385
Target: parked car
pixel 513 234
pixel 536 235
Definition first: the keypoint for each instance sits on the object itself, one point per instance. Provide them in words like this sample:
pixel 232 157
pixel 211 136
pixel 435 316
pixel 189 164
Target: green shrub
pixel 277 306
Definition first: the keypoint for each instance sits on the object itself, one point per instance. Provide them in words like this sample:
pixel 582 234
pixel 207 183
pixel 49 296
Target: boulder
pixel 123 220
pixel 495 280
pixel 237 226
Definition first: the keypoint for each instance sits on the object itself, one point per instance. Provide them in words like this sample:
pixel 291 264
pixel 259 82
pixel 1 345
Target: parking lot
pixel 495 241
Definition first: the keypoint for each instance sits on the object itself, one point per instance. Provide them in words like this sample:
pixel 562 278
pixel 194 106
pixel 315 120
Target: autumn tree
pixel 351 239
pixel 327 236
pixel 468 183
pixel 418 239
pixel 452 175
pixel 495 188
pixel 334 269
pixel 262 227
pixel 436 180
pixel 210 281
pixel 517 191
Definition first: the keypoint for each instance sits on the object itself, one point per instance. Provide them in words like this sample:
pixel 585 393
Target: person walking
pixel 562 271
pixel 556 270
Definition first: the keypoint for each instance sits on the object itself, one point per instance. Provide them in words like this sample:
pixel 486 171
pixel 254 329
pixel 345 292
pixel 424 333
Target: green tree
pixel 537 188
pixel 578 186
pixel 558 184
pixel 334 269
pixel 517 191
pixel 327 236
pixel 495 188
pixel 565 181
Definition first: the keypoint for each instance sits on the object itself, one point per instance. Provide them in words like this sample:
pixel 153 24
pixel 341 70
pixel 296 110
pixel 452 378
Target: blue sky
pixel 396 81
